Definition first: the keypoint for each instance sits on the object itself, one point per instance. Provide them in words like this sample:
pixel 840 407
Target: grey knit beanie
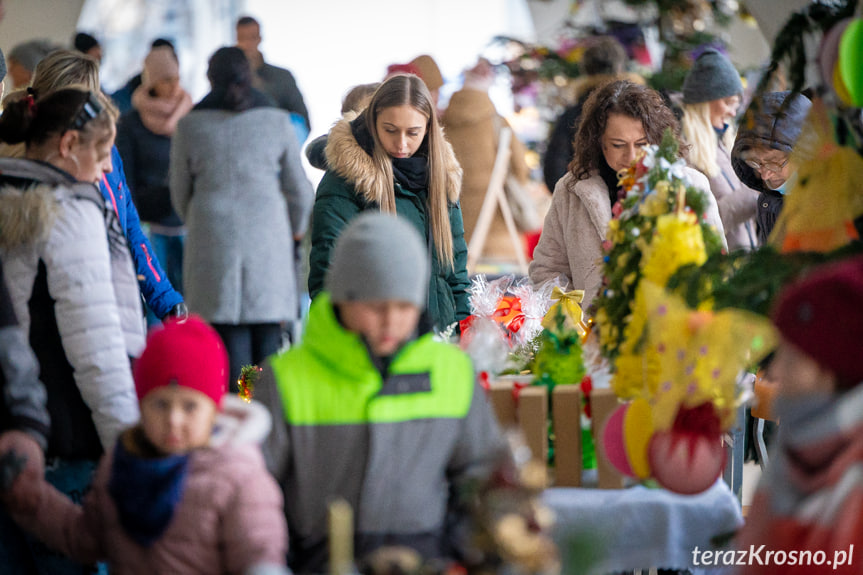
pixel 712 77
pixel 379 257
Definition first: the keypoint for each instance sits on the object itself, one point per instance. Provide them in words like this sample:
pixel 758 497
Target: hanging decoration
pixel 676 368
pixel 249 375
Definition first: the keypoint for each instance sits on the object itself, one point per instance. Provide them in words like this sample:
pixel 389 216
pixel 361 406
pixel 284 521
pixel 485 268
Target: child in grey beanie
pixel 23 59
pixel 378 280
pixel 366 409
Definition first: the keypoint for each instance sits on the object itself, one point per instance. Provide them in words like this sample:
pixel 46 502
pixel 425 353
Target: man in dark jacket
pixel 602 60
pixel 24 420
pixel 23 411
pixel 277 83
pixel 762 151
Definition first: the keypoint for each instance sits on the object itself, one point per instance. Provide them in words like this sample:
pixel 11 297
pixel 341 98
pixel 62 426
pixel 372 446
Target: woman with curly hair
pixel 618 119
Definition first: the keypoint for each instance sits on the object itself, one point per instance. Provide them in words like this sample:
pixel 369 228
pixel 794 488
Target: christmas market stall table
pixel 641 528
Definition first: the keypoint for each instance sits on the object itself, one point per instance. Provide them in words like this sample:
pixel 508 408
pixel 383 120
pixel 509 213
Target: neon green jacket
pixel 392 444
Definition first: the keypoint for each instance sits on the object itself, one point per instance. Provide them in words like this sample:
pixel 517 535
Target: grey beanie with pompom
pixel 379 257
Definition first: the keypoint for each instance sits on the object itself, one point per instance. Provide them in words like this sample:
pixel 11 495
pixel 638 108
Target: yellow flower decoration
pixel 656 203
pixel 824 200
pixel 700 354
pixel 636 375
pixel 677 241
pixel 575 54
pixel 636 370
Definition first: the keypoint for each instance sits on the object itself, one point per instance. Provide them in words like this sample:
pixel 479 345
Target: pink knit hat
pixel 822 314
pixel 188 353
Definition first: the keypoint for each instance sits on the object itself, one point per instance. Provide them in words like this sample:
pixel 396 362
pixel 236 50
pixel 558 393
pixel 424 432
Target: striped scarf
pixel 811 496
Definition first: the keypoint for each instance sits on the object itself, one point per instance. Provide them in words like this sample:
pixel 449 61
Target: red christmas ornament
pixel 689 457
pixel 586 389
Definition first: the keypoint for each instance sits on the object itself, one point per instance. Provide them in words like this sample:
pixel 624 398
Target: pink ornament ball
pixel 828 52
pixel 686 463
pixel 613 445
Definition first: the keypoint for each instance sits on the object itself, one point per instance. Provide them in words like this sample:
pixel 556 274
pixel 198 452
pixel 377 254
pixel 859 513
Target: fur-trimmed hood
pixel 349 154
pixel 30 193
pixel 26 216
pixel 240 422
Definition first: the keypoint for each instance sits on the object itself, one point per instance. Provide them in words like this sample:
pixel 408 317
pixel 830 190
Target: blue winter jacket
pixel 158 292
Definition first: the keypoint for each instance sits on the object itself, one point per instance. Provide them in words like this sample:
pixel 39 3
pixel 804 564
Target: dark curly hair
pixel 619 97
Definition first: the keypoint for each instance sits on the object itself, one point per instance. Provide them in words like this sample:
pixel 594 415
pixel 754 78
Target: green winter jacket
pixel 347 189
pixel 395 445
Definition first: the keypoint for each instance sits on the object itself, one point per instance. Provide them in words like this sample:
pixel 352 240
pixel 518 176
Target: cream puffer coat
pixel 48 221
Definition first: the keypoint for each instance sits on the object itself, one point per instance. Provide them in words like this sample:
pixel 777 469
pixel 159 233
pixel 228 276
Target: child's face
pixel 177 419
pixel 798 374
pixel 385 325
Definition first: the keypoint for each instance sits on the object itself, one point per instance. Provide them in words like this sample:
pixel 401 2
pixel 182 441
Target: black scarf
pixel 609 176
pixel 410 173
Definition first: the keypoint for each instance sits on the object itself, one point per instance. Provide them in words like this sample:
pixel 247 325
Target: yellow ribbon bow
pixel 569 302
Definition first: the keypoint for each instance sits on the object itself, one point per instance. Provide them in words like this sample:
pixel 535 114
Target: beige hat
pixel 428 71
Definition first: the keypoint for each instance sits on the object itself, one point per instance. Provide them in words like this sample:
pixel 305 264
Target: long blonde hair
pixel 58 70
pixel 61 69
pixel 699 133
pixel 408 89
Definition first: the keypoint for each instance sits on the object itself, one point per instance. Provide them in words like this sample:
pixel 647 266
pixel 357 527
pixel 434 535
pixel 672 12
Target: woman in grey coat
pixel 237 181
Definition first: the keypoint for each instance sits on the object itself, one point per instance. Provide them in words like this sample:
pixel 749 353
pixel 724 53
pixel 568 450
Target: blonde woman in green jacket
pixel 394 158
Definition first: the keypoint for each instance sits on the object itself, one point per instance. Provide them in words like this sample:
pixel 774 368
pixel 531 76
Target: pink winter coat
pixel 230 519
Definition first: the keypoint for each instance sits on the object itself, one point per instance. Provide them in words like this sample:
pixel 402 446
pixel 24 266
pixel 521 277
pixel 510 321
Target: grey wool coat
pixel 570 247
pixel 237 182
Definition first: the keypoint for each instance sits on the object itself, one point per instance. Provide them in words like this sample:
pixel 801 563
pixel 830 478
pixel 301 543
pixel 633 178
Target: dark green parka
pixel 348 188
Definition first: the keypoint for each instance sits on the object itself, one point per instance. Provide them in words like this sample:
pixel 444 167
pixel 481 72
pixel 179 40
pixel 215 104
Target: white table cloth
pixel 641 528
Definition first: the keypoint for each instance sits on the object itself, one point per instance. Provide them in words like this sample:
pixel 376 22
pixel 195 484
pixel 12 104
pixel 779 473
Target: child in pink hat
pixel 173 497
pixel 808 510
